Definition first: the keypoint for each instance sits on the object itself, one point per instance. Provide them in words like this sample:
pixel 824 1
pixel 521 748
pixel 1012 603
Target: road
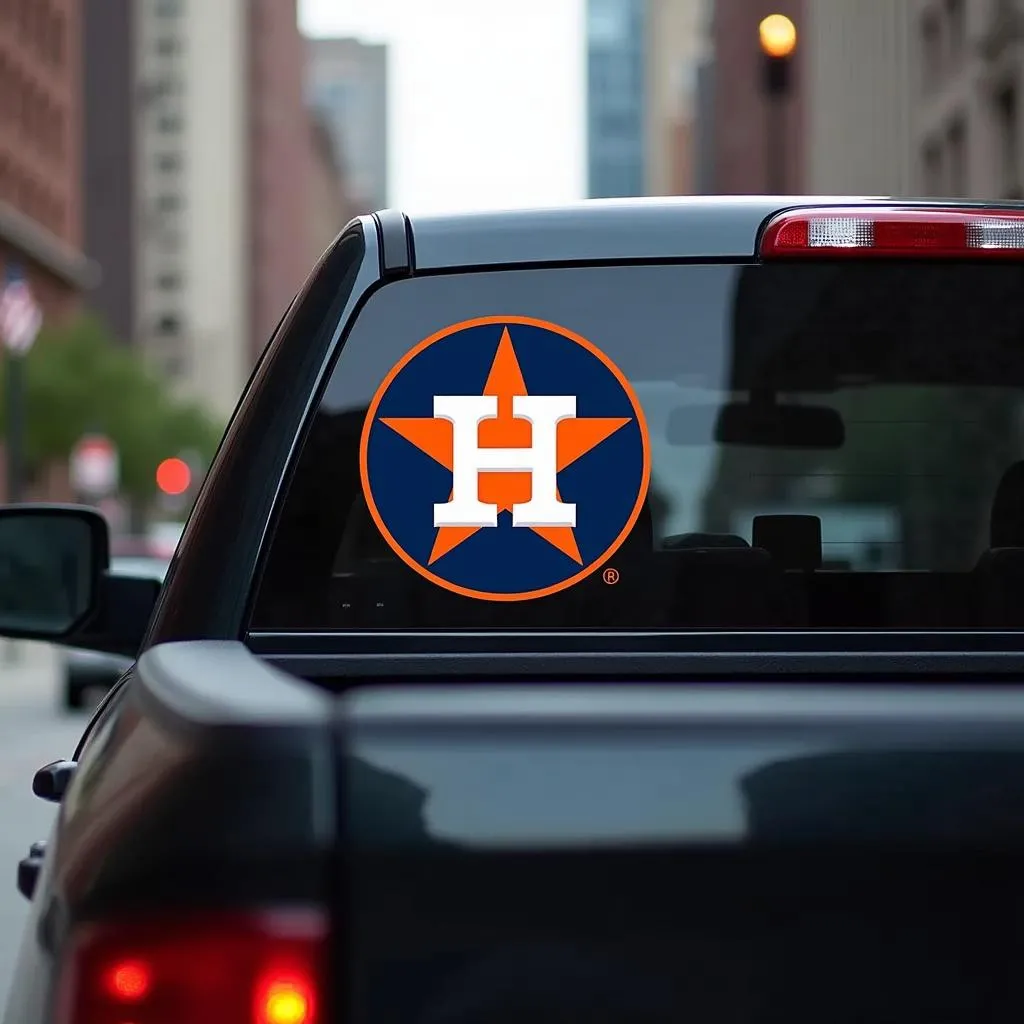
pixel 33 730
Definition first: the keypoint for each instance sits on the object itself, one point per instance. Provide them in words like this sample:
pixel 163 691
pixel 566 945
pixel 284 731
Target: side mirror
pixel 52 562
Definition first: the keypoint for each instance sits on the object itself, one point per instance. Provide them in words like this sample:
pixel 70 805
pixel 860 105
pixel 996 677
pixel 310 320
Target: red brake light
pixel 204 969
pixel 871 232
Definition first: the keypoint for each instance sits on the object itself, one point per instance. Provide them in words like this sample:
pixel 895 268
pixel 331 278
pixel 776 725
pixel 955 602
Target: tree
pixel 78 381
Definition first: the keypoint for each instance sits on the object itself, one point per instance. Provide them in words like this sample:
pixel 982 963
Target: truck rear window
pixel 830 445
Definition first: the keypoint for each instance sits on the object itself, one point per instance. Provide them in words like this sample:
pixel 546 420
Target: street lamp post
pixel 777 36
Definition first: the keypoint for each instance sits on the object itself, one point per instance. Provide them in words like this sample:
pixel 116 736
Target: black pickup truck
pixel 607 613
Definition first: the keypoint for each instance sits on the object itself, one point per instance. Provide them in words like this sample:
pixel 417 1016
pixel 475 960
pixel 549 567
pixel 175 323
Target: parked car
pixel 86 672
pixel 434 720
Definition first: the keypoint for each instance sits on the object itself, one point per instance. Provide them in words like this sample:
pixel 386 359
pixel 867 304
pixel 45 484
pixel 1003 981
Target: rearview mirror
pixel 52 560
pixel 758 426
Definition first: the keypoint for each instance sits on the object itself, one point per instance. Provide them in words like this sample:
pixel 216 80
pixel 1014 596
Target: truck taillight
pixel 197 969
pixel 871 232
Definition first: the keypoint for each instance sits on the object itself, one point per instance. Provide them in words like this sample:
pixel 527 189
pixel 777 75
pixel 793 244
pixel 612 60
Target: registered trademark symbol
pixel 611 576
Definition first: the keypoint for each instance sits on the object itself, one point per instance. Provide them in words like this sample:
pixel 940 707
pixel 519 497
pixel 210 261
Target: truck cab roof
pixel 675 227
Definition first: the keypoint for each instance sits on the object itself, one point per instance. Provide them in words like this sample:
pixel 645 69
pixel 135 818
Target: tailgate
pixel 657 853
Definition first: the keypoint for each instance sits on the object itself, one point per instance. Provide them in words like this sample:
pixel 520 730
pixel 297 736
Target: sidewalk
pixel 28 672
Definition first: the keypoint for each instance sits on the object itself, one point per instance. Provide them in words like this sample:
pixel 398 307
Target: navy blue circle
pixel 605 483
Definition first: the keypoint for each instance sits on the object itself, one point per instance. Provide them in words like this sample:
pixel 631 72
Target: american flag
pixel 20 317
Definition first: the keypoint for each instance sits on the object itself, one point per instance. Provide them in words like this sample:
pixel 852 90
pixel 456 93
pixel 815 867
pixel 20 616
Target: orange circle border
pixel 484 321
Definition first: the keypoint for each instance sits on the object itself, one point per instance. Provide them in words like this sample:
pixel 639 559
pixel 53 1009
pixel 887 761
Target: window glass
pixel 867 415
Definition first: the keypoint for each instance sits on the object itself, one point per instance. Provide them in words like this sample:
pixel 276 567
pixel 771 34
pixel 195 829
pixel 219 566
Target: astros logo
pixel 505 458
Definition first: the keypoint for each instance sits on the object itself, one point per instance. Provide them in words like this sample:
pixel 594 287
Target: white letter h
pixel 469 460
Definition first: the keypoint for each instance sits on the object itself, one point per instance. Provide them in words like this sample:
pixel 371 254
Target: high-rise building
pixel 673 54
pixel 40 158
pixel 197 155
pixel 703 134
pixel 859 108
pixel 347 87
pixel 616 98
pixel 108 156
pixel 280 155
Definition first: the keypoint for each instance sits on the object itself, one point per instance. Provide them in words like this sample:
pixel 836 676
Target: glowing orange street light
pixel 173 476
pixel 777 34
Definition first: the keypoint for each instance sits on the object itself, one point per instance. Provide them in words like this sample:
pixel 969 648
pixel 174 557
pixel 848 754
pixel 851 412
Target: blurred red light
pixel 173 476
pixel 129 980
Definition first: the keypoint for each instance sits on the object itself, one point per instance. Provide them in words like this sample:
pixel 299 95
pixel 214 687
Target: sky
pixel 486 101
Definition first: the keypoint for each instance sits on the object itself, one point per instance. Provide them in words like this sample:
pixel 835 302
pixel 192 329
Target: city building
pixel 329 207
pixel 969 63
pixel 108 155
pixel 279 155
pixel 702 137
pixel 673 55
pixel 347 85
pixel 40 157
pixel 848 123
pixel 195 138
pixel 617 87
pixel 859 107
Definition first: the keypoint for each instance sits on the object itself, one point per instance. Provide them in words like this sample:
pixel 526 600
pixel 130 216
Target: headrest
pixel 794 542
pixel 1006 525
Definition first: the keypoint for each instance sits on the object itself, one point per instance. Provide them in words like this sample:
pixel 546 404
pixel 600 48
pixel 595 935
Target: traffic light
pixel 777 35
pixel 173 476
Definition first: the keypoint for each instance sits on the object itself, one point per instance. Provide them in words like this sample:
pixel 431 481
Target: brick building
pixel 739 123
pixel 40 117
pixel 40 170
pixel 280 156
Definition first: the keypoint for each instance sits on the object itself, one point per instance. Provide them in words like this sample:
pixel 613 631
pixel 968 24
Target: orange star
pixel 575 438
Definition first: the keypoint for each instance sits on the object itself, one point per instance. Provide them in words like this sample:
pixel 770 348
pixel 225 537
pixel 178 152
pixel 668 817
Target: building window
pixel 168 282
pixel 1009 138
pixel 169 123
pixel 931 49
pixel 168 161
pixel 168 203
pixel 956 142
pixel 168 324
pixel 956 22
pixel 167 46
pixel 168 8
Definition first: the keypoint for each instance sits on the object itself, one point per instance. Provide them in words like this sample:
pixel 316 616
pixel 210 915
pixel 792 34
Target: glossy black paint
pixel 206 591
pixel 191 788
